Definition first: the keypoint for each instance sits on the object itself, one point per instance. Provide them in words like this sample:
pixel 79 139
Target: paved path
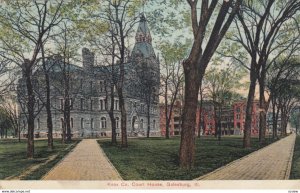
pixel 87 161
pixel 270 163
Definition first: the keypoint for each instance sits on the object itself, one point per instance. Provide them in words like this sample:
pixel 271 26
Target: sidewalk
pixel 269 163
pixel 86 162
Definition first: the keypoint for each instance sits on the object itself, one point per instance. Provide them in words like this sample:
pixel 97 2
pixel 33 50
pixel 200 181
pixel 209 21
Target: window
pixel 82 123
pixel 154 124
pixel 92 101
pixel 237 116
pixel 81 103
pixel 116 104
pixel 61 104
pixel 92 123
pixel 24 124
pixel 62 123
pixel 103 123
pixel 71 104
pixel 142 124
pixel 101 104
pixel 117 122
pixel 72 123
pixel 101 86
pixel 105 104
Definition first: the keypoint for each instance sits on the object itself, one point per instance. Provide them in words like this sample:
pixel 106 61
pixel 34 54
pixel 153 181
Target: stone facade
pixel 89 93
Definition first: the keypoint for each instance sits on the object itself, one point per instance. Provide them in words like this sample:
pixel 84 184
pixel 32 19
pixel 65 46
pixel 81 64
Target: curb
pixel 289 166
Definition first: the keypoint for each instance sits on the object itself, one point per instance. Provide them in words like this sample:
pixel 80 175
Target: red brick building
pixel 233 119
pixel 239 109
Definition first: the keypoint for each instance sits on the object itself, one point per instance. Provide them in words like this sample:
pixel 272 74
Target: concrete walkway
pixel 270 163
pixel 87 161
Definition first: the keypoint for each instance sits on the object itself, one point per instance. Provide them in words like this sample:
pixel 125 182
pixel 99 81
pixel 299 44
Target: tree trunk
pixel 67 108
pixel 112 117
pixel 216 120
pixel 248 120
pixel 284 121
pixel 113 128
pixel 48 103
pixel 274 121
pixel 124 143
pixel 200 112
pixel 68 119
pixel 6 133
pixel 262 106
pixel 275 134
pixel 148 120
pixel 187 143
pixel 166 112
pixel 19 133
pixel 220 124
pixel 27 73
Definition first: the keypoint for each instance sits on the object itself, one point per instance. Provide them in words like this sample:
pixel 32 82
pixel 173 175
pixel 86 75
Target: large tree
pixel 264 29
pixel 171 77
pixel 219 16
pixel 282 96
pixel 24 27
pixel 120 16
pixel 221 85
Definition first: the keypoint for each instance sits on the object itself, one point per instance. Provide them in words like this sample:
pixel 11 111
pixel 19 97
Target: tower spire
pixel 143 32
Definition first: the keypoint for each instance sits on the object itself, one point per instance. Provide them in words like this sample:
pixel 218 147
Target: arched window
pixel 103 123
pixel 92 123
pixel 142 123
pixel 82 123
pixel 24 124
pixel 116 105
pixel 154 124
pixel 117 122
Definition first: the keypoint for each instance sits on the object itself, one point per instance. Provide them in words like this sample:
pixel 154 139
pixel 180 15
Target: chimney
pixel 88 58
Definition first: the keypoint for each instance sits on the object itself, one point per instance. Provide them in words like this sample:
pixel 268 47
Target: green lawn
pixel 13 159
pixel 157 158
pixel 295 170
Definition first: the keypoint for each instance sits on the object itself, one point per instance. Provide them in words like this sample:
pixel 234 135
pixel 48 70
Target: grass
pixel 157 158
pixel 13 159
pixel 295 170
